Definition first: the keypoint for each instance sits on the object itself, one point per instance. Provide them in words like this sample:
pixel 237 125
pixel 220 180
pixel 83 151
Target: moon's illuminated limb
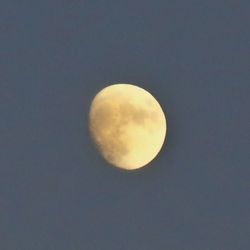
pixel 128 125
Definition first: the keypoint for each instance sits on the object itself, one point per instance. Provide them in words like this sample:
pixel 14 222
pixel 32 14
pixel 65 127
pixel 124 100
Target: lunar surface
pixel 127 125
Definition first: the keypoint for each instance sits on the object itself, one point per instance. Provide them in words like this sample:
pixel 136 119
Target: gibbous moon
pixel 127 125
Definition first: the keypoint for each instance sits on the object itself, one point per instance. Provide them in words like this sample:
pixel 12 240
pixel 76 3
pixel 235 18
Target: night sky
pixel 56 192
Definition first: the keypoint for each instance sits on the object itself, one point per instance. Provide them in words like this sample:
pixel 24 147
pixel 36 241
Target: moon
pixel 127 125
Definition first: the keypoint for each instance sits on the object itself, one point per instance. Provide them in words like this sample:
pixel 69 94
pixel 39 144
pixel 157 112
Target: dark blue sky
pixel 55 190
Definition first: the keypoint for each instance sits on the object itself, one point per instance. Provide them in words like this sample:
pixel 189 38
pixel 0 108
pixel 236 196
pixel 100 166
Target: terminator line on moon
pixel 127 125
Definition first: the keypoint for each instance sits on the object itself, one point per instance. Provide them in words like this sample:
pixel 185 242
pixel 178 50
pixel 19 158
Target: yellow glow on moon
pixel 128 125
